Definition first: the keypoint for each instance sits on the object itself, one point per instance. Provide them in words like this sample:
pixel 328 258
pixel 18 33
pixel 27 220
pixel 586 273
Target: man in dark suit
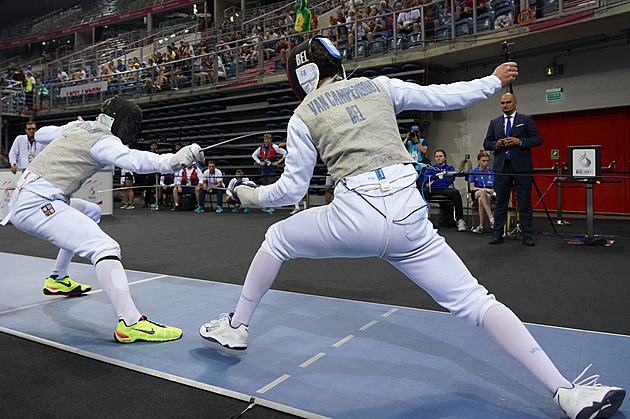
pixel 510 137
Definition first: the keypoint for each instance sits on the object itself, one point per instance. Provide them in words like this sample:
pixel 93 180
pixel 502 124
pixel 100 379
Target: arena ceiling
pixel 12 9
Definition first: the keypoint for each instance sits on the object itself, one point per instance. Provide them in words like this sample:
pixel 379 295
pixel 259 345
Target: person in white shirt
pixel 187 181
pixel 239 177
pixel 41 206
pixel 212 183
pixel 378 211
pixel 62 76
pixel 167 183
pixel 24 148
pixel 409 21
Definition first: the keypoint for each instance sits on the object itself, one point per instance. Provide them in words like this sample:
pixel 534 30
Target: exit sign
pixel 554 95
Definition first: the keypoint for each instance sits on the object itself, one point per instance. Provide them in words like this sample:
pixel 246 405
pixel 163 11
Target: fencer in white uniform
pixel 377 210
pixel 42 205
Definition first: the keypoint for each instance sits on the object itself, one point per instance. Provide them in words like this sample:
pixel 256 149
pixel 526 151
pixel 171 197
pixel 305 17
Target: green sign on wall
pixel 555 154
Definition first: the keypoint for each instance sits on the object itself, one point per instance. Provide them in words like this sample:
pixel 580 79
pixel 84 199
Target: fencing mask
pixel 127 118
pixel 311 61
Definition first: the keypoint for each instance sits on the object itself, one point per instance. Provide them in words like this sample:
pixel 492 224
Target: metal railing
pixel 245 60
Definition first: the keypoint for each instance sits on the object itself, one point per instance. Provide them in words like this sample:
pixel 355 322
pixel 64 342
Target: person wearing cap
pixel 378 211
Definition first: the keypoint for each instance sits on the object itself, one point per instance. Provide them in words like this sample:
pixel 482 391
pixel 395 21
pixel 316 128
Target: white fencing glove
pixel 187 156
pixel 246 193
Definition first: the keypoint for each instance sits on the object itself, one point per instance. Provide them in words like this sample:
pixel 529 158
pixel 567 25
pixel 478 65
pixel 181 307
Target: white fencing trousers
pixel 72 227
pixel 356 226
pixel 64 225
pixel 65 256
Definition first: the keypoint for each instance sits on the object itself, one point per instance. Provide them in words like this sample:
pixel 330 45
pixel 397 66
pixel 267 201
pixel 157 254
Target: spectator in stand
pixel 186 182
pixel 81 73
pixel 111 67
pixel 105 74
pixel 183 47
pixel 160 79
pixel 62 76
pixel 269 45
pixel 212 183
pixel 430 20
pixel 409 21
pixel 30 90
pixel 121 67
pixel 352 16
pixel 332 30
pixel 384 25
pixel 230 190
pixel 464 8
pixel 283 50
pixel 342 30
pixel 171 54
pixel 42 91
pixel 360 29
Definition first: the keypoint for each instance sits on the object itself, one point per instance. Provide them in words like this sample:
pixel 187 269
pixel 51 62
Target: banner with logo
pixel 97 87
pixel 101 181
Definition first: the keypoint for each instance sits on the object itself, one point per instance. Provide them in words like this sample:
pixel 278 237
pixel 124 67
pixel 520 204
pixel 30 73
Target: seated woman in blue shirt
pixel 481 183
pixel 435 186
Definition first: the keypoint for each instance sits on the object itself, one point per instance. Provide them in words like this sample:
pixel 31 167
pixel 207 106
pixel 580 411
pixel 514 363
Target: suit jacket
pixel 524 128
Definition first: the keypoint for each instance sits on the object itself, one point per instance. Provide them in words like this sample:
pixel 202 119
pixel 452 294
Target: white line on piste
pixel 342 341
pixel 313 359
pixel 63 297
pixel 390 312
pixel 273 383
pixel 370 324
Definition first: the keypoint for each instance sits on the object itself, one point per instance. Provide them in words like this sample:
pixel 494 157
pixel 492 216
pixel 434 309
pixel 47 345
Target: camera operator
pixel 417 148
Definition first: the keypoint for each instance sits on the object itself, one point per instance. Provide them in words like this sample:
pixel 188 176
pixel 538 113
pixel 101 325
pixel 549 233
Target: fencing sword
pixel 203 149
pixel 234 139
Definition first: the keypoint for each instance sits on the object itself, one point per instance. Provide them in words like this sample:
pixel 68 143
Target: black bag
pixel 187 203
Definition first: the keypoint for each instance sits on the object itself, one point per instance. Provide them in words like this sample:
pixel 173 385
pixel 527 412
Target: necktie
pixel 508 129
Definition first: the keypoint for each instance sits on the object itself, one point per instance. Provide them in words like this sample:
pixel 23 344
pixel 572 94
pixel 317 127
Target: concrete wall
pixel 593 79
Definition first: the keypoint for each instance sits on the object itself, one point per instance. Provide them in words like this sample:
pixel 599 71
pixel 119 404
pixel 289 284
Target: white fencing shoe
pixel 222 332
pixel 589 399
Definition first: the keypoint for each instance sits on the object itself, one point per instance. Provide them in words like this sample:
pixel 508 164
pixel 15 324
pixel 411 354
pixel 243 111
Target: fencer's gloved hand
pixel 246 193
pixel 187 156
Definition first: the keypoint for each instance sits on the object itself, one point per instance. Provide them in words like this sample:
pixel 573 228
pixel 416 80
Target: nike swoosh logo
pixel 148 332
pixel 68 284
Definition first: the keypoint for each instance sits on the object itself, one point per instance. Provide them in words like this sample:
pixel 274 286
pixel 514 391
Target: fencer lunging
pixel 41 205
pixel 377 210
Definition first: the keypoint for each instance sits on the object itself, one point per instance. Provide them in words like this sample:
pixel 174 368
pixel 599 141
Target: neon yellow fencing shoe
pixel 64 286
pixel 145 330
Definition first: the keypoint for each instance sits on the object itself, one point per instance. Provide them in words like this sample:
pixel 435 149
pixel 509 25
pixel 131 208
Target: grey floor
pixel 554 283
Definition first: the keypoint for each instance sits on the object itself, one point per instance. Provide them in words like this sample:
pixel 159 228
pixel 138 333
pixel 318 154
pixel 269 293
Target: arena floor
pixel 334 338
